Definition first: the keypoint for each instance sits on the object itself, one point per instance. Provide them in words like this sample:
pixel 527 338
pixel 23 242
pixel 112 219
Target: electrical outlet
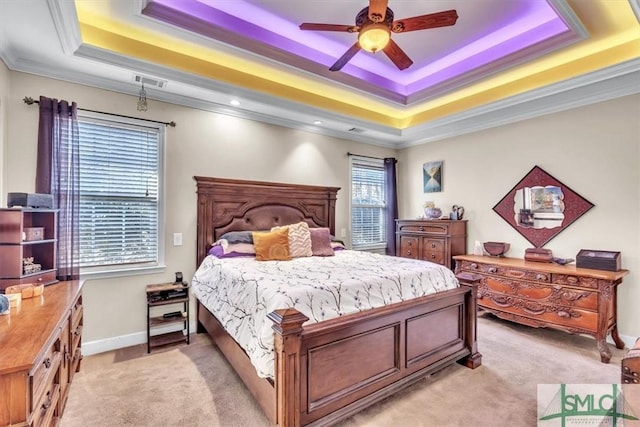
pixel 343 232
pixel 177 239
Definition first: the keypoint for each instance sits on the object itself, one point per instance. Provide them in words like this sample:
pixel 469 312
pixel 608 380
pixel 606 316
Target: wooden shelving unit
pixel 162 295
pixel 16 245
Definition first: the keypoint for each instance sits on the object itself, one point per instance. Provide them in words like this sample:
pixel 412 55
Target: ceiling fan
pixel 374 25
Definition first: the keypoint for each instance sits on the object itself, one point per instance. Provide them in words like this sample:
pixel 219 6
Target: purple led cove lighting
pixel 489 55
pixel 197 10
pixel 535 21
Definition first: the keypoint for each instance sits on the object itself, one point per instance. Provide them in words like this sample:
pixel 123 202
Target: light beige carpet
pixel 194 386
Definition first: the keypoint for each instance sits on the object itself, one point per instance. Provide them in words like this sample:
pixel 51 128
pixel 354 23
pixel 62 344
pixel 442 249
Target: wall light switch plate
pixel 177 239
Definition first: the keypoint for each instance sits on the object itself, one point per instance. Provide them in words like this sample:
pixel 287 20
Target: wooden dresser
pixel 435 240
pixel 40 348
pixel 577 300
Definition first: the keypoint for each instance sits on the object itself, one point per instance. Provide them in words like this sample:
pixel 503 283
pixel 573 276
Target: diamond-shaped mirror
pixel 539 207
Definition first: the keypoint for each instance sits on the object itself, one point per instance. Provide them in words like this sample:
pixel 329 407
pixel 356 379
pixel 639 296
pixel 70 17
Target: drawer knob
pixel 421 228
pixel 564 314
pixel 572 279
pixel 47 404
pixel 433 245
pixel 474 265
pixel 433 256
pixel 409 244
pixel 39 279
pixel 541 277
pixel 409 252
pixel 492 269
pixel 47 362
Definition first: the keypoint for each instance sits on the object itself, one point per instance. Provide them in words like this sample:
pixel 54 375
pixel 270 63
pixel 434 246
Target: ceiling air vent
pixel 150 81
pixel 356 130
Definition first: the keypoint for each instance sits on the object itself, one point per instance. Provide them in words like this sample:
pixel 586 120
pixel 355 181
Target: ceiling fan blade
pixel 432 20
pixel 397 55
pixel 328 27
pixel 346 57
pixel 377 10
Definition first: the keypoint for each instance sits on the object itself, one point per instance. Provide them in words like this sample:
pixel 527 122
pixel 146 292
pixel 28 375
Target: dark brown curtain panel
pixel 391 194
pixel 58 173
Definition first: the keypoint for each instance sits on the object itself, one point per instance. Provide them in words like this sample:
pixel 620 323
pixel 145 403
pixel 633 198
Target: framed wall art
pixel 432 177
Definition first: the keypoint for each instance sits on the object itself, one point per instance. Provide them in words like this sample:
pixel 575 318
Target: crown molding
pixel 65 19
pixel 598 86
pixel 635 6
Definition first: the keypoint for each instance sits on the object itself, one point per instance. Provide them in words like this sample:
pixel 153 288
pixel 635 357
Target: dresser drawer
pixel 433 250
pixel 578 281
pixel 540 313
pixel 409 247
pixel 44 409
pixel 425 227
pixel 76 313
pixel 44 370
pixel 505 271
pixel 540 293
pixel 45 278
pixel 76 358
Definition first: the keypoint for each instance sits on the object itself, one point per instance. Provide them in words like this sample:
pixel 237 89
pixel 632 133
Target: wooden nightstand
pixel 165 295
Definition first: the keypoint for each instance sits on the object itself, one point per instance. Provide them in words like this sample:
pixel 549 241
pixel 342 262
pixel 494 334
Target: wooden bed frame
pixel 328 371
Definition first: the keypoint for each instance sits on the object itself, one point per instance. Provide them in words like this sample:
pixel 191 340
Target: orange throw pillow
pixel 272 245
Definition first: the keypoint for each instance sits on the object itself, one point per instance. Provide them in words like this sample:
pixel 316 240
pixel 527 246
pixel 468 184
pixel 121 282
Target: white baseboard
pixel 122 341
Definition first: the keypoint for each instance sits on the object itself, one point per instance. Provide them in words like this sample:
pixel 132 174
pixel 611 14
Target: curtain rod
pixel 367 157
pixel 28 100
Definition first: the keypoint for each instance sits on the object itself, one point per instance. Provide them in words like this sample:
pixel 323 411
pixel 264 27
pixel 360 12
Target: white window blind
pixel 367 203
pixel 119 193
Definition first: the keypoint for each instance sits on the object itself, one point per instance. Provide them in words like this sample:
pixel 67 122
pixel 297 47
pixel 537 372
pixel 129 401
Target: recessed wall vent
pixel 356 130
pixel 150 81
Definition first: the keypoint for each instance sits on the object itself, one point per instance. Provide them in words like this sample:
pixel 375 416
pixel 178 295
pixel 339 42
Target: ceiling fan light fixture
pixel 374 37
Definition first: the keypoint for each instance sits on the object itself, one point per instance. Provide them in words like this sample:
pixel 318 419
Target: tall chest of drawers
pixel 41 350
pixel 435 240
pixel 577 300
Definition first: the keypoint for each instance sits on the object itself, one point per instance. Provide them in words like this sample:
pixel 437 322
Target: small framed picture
pixel 432 177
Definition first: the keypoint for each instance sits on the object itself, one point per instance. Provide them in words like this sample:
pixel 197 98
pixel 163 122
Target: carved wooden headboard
pixel 230 205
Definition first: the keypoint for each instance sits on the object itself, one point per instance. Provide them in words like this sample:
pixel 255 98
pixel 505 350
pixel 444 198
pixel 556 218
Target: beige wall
pixel 4 95
pixel 595 150
pixel 202 143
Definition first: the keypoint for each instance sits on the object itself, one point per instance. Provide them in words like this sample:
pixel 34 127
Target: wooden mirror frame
pixel 574 207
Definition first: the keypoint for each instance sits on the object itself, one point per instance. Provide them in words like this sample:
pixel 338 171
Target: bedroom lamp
pixel 374 37
pixel 142 99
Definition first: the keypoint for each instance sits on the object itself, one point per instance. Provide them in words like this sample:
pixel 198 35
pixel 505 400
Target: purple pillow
pixel 321 242
pixel 218 251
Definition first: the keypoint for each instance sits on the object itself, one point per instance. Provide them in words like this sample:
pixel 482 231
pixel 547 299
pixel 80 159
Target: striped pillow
pixel 299 239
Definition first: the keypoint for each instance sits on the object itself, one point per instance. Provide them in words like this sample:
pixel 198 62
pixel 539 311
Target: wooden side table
pixel 166 295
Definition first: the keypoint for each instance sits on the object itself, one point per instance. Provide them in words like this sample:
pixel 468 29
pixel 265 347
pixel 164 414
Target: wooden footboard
pixel 328 371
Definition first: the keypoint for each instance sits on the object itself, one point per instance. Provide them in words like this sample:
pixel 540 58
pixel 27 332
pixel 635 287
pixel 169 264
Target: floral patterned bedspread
pixel 240 292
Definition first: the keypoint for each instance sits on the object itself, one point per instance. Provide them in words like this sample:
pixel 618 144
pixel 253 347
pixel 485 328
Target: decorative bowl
pixel 433 213
pixel 496 248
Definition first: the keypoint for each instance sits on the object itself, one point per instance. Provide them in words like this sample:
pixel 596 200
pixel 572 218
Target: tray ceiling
pixel 499 54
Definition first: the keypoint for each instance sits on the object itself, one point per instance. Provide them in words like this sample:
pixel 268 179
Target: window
pixel 119 193
pixel 367 204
